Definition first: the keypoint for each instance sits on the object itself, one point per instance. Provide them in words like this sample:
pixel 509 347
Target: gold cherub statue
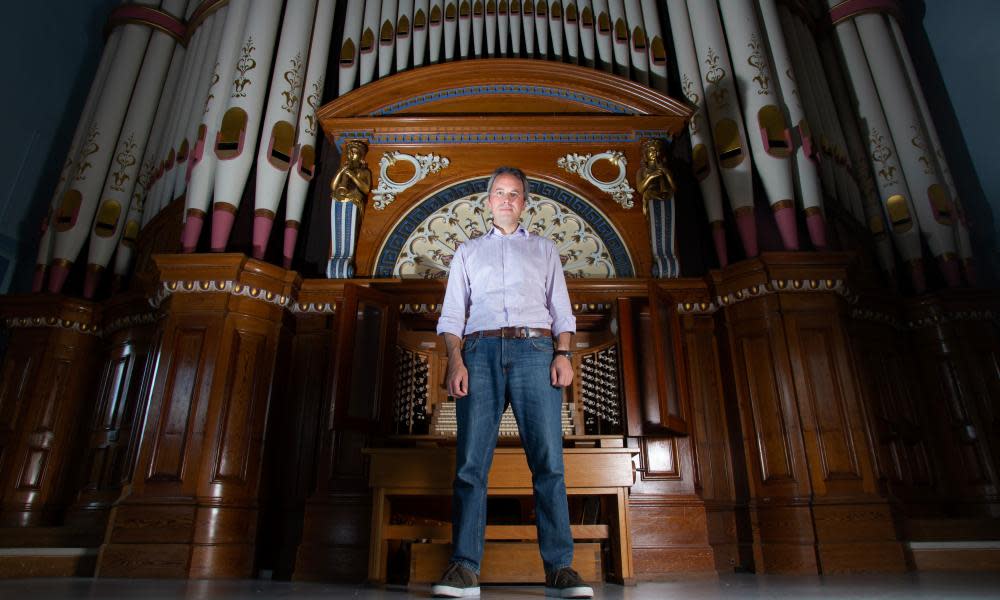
pixel 353 180
pixel 653 180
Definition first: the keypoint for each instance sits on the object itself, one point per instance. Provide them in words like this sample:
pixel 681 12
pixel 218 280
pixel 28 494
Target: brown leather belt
pixel 513 332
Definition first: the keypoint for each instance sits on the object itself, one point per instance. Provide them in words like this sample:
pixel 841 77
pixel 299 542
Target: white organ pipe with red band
pixel 404 34
pixel 516 27
pixel 893 191
pixel 479 30
pixel 70 165
pixel 349 47
pixel 542 28
pixel 162 187
pixel 421 21
pixel 450 28
pixel 872 206
pixel 236 142
pixel 386 36
pixel 619 36
pixel 638 41
pixel 150 159
pixel 588 22
pixel 304 169
pixel 277 151
pixel 703 162
pixel 815 132
pixel 492 23
pixel 369 39
pixel 503 26
pixel 930 196
pixel 464 28
pixel 571 27
pixel 132 141
pixel 807 175
pixel 203 160
pixel 760 97
pixel 656 45
pixel 190 139
pixel 79 203
pixel 528 26
pixel 723 108
pixel 961 221
pixel 556 32
pixel 831 149
pixel 603 32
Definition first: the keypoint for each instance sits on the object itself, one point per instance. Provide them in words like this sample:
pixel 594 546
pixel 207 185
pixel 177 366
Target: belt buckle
pixel 524 331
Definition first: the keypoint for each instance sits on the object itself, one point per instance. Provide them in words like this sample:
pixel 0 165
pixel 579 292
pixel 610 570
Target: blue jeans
pixel 514 370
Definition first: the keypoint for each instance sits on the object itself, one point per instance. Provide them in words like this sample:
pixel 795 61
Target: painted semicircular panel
pixel 423 242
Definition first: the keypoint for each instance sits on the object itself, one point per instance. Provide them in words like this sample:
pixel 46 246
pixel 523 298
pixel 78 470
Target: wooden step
pixel 503 562
pixel 976 555
pixel 18 563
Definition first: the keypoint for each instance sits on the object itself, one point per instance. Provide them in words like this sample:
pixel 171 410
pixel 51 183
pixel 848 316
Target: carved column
pixel 115 423
pixel 45 394
pixel 192 508
pixel 814 504
pixel 956 345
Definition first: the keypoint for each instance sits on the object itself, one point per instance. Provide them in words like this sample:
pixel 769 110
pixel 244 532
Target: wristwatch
pixel 565 353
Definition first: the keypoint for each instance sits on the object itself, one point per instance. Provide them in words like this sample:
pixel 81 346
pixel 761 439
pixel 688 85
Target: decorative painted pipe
pixel 703 161
pixel 542 27
pixel 277 151
pixel 761 98
pixel 556 31
pixel 528 26
pixel 464 28
pixel 203 161
pixel 962 238
pixel 478 26
pixel 349 53
pixel 70 165
pixel 516 27
pixel 79 203
pixel 190 141
pixel 435 28
pixel 132 141
pixel 723 106
pixel 236 142
pixel 810 190
pixel 305 165
pixel 894 193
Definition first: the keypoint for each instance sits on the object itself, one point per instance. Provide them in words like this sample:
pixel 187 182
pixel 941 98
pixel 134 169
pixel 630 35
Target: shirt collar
pixel 520 231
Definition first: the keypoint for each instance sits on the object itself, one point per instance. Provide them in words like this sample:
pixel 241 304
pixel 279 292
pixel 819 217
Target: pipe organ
pixel 741 193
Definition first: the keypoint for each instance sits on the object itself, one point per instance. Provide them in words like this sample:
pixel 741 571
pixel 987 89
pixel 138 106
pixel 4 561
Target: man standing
pixel 513 347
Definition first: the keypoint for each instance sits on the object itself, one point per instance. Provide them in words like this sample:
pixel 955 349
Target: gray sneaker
pixel 567 583
pixel 457 582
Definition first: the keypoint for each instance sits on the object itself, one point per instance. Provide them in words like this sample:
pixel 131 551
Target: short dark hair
pixel 508 171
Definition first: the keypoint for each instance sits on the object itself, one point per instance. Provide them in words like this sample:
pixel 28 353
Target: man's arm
pixel 561 371
pixel 457 378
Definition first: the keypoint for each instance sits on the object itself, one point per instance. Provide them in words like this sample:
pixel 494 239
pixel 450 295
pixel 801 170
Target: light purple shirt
pixel 499 280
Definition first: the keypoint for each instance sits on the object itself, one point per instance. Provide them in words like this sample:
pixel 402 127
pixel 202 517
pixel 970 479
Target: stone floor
pixel 771 587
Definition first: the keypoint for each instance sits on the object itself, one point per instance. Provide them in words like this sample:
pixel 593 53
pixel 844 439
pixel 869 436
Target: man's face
pixel 506 201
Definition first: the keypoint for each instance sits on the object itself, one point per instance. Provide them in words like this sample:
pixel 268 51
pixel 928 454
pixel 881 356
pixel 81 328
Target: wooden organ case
pixel 627 417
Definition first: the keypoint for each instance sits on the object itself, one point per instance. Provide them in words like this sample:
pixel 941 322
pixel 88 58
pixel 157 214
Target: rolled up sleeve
pixel 456 297
pixel 558 296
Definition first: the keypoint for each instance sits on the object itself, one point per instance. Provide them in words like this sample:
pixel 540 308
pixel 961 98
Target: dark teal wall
pixel 51 49
pixel 965 38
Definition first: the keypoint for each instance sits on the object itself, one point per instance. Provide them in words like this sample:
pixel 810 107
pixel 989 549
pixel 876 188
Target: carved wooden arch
pixel 479 114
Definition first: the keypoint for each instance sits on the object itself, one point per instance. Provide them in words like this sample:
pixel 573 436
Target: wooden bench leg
pixel 377 554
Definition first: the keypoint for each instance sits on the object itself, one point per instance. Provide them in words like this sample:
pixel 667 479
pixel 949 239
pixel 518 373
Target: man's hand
pixel 561 371
pixel 458 379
